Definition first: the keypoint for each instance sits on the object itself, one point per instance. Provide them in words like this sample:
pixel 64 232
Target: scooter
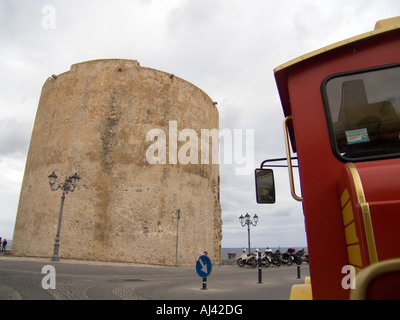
pixel 266 259
pixel 270 258
pixel 247 259
pixel 286 258
pixel 301 256
pixel 283 259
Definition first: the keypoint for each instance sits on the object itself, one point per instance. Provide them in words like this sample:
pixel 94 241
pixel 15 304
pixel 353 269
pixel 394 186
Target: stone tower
pixel 107 120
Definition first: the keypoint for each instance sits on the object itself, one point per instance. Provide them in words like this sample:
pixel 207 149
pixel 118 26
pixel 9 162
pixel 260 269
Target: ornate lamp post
pixel 246 220
pixel 69 185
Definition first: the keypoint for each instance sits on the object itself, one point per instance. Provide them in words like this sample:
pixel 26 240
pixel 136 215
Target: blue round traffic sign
pixel 203 266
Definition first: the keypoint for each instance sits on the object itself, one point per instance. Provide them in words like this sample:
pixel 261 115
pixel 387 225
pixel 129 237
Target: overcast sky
pixel 228 48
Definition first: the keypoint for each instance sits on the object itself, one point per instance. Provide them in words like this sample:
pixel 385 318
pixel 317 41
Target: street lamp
pixel 69 185
pixel 246 220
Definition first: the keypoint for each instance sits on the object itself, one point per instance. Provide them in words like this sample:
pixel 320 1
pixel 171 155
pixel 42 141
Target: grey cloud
pixel 14 137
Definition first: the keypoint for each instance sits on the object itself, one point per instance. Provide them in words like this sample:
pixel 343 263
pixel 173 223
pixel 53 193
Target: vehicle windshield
pixel 363 113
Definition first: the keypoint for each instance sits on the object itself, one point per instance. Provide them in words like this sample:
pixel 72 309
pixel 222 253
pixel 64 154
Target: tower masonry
pixel 143 142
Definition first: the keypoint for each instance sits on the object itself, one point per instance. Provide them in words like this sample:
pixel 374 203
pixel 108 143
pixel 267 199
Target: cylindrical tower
pixel 133 135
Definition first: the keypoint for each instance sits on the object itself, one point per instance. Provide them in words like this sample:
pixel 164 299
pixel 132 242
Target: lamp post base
pixel 55 256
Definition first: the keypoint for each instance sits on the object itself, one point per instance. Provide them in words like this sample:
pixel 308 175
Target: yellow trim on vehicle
pixel 351 235
pixel 301 292
pixel 347 212
pixel 352 241
pixel 366 214
pixel 289 159
pixel 381 26
pixel 344 197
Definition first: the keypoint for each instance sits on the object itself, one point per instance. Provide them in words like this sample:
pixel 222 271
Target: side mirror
pixel 265 186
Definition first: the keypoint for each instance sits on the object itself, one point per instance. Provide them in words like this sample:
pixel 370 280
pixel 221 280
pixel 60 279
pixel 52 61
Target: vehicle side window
pixel 363 113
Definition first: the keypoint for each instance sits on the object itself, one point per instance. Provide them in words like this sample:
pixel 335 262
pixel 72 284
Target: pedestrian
pixel 4 245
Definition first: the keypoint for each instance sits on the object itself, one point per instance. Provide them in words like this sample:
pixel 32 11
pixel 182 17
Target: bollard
pixel 204 284
pixel 259 268
pixel 298 262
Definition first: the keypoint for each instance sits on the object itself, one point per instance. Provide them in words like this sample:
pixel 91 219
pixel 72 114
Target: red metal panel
pixel 381 181
pixel 319 171
pixel 386 221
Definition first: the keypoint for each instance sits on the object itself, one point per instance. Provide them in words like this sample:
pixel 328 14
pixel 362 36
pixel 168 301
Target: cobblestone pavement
pixel 21 279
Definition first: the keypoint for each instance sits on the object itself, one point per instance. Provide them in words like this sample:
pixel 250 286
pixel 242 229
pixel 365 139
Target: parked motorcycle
pixel 247 259
pixel 291 254
pixel 300 256
pixel 269 258
pixel 266 258
pixel 284 258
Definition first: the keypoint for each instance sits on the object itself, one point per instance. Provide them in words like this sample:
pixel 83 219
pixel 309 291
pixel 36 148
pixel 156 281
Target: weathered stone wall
pixel 93 120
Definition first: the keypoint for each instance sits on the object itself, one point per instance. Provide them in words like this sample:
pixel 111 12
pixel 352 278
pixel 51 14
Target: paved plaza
pixel 30 279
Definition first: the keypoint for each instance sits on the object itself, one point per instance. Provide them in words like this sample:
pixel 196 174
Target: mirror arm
pixel 277 165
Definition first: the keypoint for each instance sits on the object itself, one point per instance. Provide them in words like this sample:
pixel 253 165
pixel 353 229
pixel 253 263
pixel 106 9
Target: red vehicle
pixel 342 118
